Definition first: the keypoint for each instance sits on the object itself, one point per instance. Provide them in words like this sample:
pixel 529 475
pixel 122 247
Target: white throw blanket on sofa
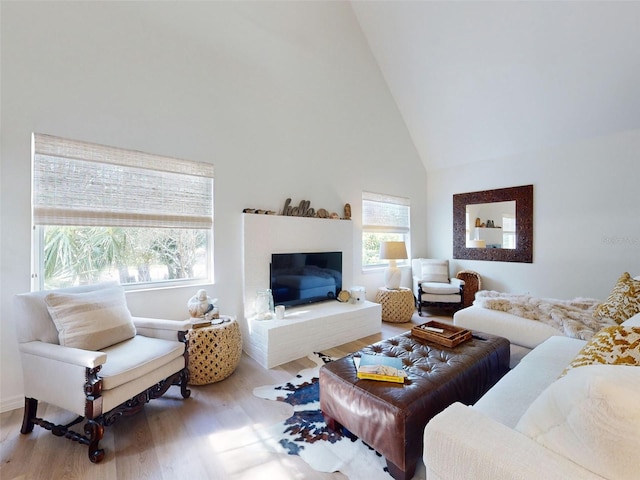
pixel 574 318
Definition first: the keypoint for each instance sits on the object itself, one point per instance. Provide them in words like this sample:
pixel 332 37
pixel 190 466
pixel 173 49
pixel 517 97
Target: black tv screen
pixel 301 278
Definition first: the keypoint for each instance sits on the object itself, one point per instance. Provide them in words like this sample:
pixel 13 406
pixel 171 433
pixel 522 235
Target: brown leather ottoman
pixel 391 417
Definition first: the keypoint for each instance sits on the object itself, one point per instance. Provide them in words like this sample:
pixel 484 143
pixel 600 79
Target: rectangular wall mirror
pixel 494 225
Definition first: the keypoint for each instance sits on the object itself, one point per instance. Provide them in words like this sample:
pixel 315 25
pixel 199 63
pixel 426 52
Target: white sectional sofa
pixel 591 437
pixel 520 331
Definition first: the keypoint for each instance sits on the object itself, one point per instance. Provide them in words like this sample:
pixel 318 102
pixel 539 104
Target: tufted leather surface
pixel 391 417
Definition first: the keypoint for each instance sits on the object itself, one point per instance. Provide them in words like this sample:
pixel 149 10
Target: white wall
pixel 586 217
pixel 284 98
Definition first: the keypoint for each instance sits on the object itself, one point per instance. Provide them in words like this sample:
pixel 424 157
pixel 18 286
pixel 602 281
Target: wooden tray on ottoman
pixel 450 337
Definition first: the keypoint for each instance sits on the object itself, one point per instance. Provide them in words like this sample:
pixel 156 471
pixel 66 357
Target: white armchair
pixel 82 351
pixel 432 285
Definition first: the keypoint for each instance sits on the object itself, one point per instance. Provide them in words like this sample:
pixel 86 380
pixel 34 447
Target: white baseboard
pixel 8 404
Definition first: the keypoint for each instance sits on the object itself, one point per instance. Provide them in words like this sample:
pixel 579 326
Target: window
pixel 384 218
pixel 104 213
pixel 508 231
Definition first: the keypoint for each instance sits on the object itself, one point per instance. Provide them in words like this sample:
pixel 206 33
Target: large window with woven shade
pixel 106 213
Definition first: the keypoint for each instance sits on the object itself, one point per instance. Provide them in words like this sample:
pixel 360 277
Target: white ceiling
pixel 480 80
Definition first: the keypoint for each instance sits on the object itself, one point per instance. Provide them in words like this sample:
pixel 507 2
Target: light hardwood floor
pixel 212 435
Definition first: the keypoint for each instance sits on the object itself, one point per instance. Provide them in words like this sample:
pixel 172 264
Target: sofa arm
pixel 462 442
pixel 160 328
pixel 72 356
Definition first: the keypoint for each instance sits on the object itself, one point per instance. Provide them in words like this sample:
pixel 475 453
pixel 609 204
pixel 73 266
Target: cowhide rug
pixel 574 318
pixel 306 434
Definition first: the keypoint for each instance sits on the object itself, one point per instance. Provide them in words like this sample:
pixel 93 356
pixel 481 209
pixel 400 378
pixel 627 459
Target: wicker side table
pixel 472 283
pixel 398 306
pixel 214 352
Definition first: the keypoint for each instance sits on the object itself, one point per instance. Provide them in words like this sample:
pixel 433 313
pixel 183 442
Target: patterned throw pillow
pixel 615 345
pixel 624 301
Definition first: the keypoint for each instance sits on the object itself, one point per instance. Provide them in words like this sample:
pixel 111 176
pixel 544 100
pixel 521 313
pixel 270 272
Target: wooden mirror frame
pixel 523 252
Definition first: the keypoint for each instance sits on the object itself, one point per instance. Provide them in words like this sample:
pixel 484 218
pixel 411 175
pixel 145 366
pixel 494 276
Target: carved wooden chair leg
pixel 184 375
pixel 184 381
pixel 94 431
pixel 30 409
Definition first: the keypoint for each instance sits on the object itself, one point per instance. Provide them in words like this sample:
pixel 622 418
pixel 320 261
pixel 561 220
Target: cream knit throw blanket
pixel 574 318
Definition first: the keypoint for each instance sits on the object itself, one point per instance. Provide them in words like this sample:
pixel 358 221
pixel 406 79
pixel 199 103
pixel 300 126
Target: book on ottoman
pixel 380 367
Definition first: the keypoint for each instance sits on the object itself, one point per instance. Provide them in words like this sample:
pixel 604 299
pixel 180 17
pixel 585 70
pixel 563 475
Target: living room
pixel 310 100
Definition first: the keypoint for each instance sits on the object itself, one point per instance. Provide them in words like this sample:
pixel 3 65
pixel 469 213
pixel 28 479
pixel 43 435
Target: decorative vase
pixel 264 304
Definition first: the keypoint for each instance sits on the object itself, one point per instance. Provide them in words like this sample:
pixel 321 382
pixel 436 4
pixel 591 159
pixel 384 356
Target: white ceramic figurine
pixel 202 305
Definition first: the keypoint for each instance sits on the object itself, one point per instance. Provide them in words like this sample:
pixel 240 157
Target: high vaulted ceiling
pixel 481 80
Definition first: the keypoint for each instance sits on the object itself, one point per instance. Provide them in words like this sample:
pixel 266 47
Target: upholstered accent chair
pixel 82 351
pixel 433 287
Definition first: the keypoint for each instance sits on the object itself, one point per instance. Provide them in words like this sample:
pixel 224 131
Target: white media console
pixel 311 328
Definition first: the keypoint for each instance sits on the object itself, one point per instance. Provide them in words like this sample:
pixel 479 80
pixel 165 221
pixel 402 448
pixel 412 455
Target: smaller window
pixel 384 218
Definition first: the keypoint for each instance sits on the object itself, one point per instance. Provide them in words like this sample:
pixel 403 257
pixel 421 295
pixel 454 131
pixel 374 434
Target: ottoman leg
pixel 398 474
pixel 332 423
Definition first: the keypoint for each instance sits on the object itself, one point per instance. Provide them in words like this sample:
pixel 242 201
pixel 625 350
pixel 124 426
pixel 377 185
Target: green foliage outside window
pixel 85 255
pixel 371 246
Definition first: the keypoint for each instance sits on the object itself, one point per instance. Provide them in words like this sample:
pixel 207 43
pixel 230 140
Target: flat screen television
pixel 302 278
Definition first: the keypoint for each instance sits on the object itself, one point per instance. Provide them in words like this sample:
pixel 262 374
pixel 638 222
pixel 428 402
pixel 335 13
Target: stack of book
pixel 380 367
pixel 200 322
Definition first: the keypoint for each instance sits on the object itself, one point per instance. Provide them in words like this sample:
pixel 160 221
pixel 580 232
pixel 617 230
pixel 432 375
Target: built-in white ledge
pixel 310 328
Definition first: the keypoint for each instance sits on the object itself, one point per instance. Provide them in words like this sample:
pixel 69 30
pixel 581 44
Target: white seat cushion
pixel 507 400
pixel 439 288
pixel 136 358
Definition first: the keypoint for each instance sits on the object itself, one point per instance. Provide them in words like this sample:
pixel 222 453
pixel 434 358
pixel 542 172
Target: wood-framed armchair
pixel 433 287
pixel 81 350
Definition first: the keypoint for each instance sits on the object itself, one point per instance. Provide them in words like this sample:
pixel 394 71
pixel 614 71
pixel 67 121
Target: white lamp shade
pixel 393 251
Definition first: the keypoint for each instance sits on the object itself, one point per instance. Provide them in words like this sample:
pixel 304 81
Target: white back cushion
pixel 591 416
pixel 434 270
pixel 31 315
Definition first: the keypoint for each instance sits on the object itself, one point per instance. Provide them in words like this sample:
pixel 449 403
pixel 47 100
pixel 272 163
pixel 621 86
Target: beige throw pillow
pixel 91 320
pixel 435 270
pixel 623 302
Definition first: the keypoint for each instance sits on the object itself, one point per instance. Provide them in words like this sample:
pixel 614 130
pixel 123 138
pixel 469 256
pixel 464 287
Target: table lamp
pixel 392 251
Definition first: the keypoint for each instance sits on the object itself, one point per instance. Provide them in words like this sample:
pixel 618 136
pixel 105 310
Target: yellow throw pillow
pixel 615 345
pixel 624 301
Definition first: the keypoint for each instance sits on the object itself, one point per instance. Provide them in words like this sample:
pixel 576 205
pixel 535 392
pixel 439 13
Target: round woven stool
pixel 214 351
pixel 398 306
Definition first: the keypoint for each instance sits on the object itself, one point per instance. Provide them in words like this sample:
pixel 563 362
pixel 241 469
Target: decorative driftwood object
pixel 259 211
pixel 303 209
pixel 347 211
